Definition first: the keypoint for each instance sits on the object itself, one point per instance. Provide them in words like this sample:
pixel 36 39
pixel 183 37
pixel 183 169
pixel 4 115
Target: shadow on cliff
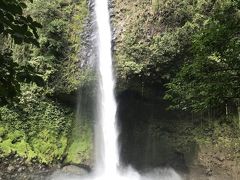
pixel 151 136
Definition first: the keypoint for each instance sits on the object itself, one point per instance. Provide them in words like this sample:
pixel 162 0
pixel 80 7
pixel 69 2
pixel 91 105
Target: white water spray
pixel 108 161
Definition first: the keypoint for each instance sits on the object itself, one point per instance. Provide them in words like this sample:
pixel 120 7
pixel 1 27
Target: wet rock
pixel 21 169
pixel 220 157
pixel 209 172
pixel 10 168
pixel 72 169
pixel 30 169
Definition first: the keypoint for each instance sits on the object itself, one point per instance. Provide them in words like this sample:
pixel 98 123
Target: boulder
pixel 76 170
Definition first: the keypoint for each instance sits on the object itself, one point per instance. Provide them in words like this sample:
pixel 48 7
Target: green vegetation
pixel 188 49
pixel 182 53
pixel 37 128
pixel 15 23
pixel 80 150
pixel 185 54
pixel 60 42
pixel 211 77
pixel 22 29
pixel 36 68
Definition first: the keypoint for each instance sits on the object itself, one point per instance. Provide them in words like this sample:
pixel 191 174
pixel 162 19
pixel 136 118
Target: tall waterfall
pixel 106 134
pixel 107 147
pixel 107 161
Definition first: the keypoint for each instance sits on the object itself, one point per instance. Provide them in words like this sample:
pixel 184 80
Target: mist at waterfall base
pixel 129 174
pixel 107 154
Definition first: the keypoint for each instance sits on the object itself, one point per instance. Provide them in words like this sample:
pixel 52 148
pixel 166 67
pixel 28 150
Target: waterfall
pixel 106 132
pixel 108 159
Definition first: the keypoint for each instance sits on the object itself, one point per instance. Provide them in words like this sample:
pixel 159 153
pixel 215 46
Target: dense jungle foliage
pixel 189 49
pixel 40 42
pixel 185 52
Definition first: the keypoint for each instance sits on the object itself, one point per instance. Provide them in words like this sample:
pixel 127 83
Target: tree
pixel 13 22
pixel 22 29
pixel 211 78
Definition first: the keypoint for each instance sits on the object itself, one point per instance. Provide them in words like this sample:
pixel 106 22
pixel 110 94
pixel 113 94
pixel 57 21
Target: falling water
pixel 107 159
pixel 108 150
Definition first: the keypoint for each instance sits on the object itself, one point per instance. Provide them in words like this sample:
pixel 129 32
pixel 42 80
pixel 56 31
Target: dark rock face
pixel 145 141
pixel 88 51
pixel 152 137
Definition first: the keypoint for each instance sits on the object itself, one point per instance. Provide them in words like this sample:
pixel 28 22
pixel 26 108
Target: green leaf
pixel 10 17
pixel 36 24
pixel 1 28
pixel 15 9
pixel 23 5
pixel 29 19
pixel 38 80
pixel 18 38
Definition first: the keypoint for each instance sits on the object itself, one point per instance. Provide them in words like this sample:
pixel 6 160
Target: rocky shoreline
pixel 17 168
